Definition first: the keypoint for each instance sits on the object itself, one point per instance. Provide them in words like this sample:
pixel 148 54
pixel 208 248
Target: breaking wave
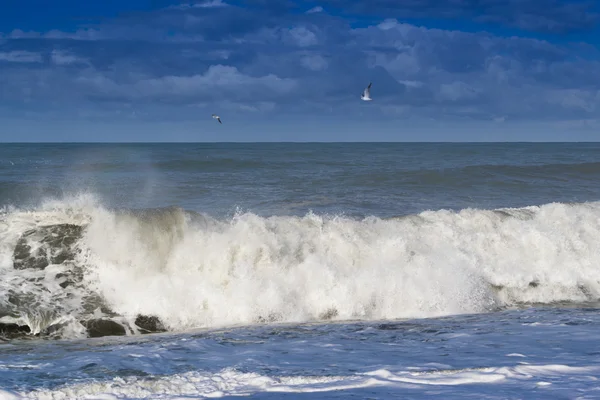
pixel 69 265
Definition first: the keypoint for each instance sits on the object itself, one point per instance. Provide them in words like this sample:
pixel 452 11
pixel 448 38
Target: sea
pixel 300 270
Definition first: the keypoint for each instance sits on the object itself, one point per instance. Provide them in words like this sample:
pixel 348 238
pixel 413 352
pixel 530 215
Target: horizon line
pixel 301 142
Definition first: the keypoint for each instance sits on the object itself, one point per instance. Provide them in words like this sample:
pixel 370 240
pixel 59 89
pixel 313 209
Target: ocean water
pixel 349 270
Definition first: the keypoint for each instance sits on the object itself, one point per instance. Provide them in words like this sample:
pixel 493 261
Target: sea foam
pixel 191 270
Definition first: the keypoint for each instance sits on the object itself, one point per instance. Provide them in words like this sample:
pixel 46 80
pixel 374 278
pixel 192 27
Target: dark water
pixel 382 179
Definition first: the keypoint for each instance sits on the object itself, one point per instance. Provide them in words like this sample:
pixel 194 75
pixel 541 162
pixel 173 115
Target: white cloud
pixel 412 84
pixel 316 9
pixel 212 3
pixel 303 37
pixel 388 24
pixel 119 32
pixel 60 57
pixel 206 4
pixel 254 107
pixel 219 81
pixel 314 62
pixel 20 34
pixel 573 99
pixel 21 56
pixel 79 34
pixel 298 36
pixel 398 63
pixel 280 58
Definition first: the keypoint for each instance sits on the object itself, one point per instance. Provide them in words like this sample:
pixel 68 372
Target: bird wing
pixel 367 92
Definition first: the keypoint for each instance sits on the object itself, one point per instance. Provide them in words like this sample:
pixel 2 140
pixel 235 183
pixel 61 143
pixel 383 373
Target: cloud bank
pixel 284 58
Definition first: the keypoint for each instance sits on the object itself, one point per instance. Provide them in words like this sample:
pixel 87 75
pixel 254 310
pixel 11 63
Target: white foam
pixel 297 269
pixel 6 395
pixel 230 382
pixel 484 375
pixel 286 268
pixel 198 385
pixel 49 303
pixel 200 272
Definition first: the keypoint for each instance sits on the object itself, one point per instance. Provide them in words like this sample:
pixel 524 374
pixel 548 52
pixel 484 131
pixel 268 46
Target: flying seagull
pixel 366 96
pixel 215 116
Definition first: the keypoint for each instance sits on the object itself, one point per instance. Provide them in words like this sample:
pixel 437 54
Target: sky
pixel 293 70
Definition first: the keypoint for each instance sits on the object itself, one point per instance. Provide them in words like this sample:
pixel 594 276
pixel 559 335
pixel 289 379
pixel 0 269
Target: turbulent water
pixel 305 257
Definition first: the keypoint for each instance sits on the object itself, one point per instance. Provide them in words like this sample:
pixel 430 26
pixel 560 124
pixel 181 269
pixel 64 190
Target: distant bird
pixel 366 96
pixel 215 116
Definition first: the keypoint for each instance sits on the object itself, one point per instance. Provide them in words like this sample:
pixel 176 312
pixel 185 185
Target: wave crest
pixel 190 270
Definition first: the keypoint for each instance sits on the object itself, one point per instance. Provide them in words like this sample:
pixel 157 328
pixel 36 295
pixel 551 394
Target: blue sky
pixel 284 70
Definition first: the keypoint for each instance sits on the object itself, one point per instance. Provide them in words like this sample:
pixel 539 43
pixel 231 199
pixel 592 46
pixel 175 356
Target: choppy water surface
pixel 536 353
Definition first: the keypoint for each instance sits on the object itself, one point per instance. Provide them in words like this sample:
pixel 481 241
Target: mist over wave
pixel 191 270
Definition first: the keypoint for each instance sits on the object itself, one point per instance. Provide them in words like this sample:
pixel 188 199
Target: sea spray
pixel 190 270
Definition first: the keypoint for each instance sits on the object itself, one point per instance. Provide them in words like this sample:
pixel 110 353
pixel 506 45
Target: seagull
pixel 215 116
pixel 366 96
